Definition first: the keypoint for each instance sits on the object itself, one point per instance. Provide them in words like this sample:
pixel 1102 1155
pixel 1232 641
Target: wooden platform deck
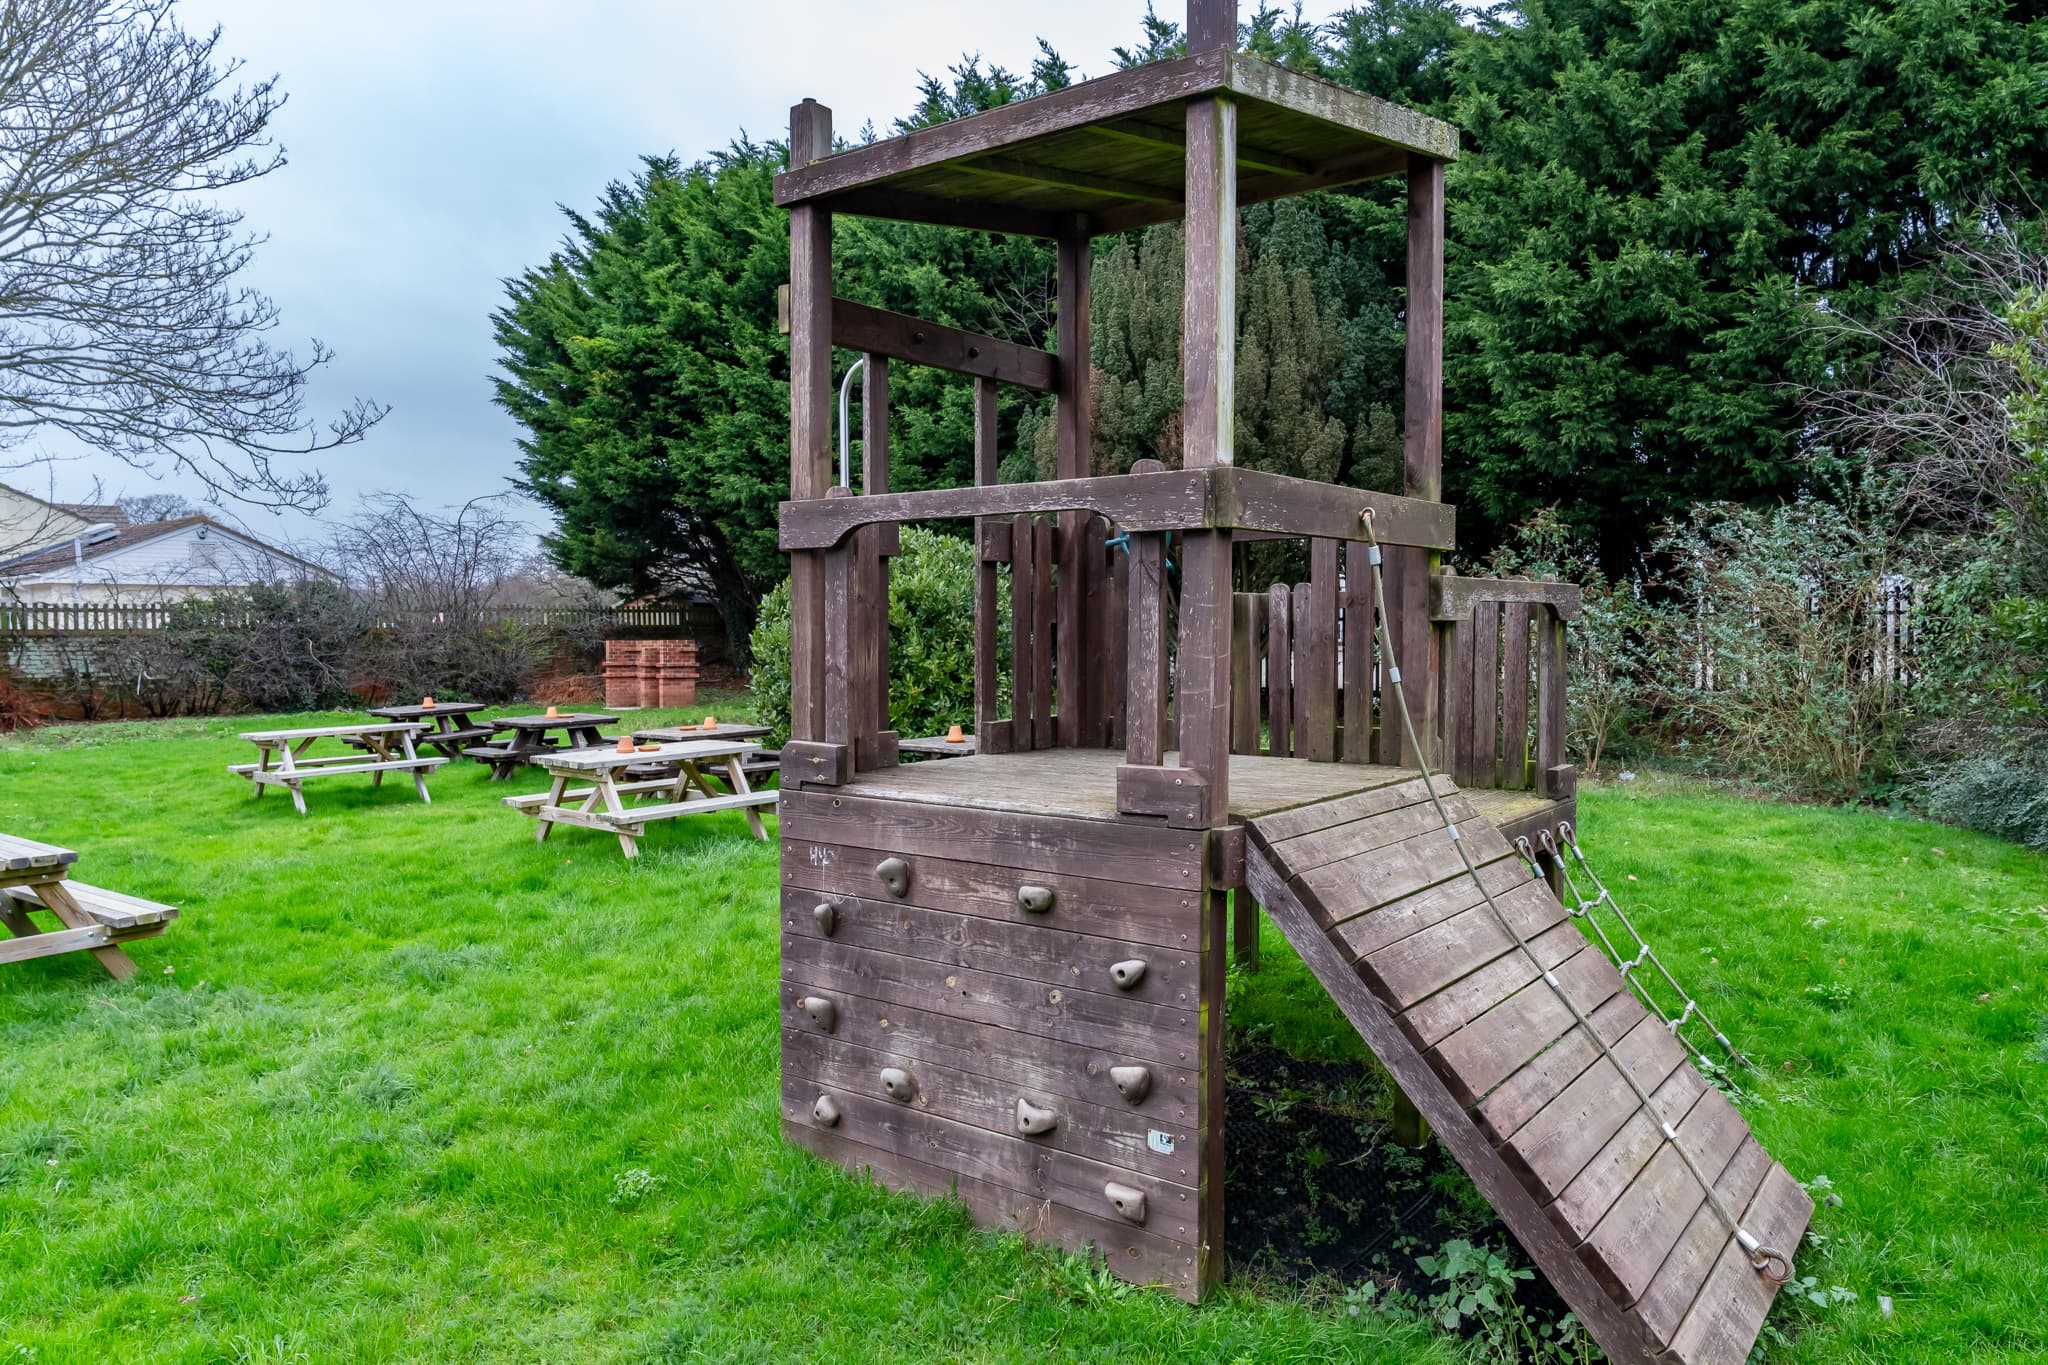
pixel 1081 784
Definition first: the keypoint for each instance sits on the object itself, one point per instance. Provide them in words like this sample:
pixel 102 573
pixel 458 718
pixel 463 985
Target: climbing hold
pixel 1128 974
pixel 1128 1201
pixel 895 876
pixel 827 917
pixel 823 1012
pixel 1134 1083
pixel 897 1085
pixel 1035 899
pixel 826 1111
pixel 1032 1121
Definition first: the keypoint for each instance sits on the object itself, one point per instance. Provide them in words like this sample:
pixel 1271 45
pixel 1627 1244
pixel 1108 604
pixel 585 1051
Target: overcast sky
pixel 430 142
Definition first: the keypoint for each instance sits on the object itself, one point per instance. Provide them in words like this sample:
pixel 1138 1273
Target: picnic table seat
pixel 129 916
pixel 35 877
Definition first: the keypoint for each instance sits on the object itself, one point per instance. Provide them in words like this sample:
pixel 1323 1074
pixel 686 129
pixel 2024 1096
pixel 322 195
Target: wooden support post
pixel 1244 929
pixel 1024 679
pixel 1422 447
pixel 1079 725
pixel 1280 669
pixel 1244 673
pixel 1319 645
pixel 810 416
pixel 874 741
pixel 1358 643
pixel 991 734
pixel 1550 706
pixel 1145 653
pixel 1208 348
pixel 1514 706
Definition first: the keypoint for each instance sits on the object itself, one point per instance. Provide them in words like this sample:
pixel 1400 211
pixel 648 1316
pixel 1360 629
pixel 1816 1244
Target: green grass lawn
pixel 402 1084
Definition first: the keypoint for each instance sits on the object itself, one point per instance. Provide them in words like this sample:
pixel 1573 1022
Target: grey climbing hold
pixel 897 1085
pixel 823 1012
pixel 1127 1200
pixel 1128 974
pixel 895 876
pixel 1134 1083
pixel 826 1111
pixel 1032 1121
pixel 1036 900
pixel 827 917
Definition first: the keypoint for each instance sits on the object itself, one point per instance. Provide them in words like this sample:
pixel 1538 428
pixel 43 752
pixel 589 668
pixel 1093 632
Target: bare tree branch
pixel 121 321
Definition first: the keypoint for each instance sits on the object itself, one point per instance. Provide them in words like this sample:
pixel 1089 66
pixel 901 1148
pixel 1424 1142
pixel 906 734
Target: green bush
pixel 931 640
pixel 2005 797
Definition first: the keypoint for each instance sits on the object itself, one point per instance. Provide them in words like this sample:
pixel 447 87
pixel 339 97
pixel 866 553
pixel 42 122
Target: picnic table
pixel 445 728
pixel 376 756
pixel 36 876
pixel 601 805
pixel 527 736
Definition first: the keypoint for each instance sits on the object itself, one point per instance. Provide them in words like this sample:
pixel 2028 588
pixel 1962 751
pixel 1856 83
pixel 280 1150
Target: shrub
pixel 931 639
pixel 276 646
pixel 2007 797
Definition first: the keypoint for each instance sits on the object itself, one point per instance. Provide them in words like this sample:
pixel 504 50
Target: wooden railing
pixel 1503 682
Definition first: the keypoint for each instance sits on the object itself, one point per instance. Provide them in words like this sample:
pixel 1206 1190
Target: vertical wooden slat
pixel 987 630
pixel 1320 683
pixel 1024 680
pixel 872 648
pixel 1145 652
pixel 1304 630
pixel 1358 653
pixel 1280 669
pixel 1244 674
pixel 1455 643
pixel 1514 702
pixel 1097 636
pixel 1042 678
pixel 1550 699
pixel 1485 719
pixel 1117 628
pixel 810 415
pixel 840 682
pixel 1393 748
pixel 1072 461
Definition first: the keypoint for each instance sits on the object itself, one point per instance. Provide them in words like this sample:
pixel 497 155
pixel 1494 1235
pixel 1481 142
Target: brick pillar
pixel 649 672
pixel 622 674
pixel 679 673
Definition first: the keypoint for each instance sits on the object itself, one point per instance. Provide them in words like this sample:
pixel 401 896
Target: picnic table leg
pixel 57 897
pixel 610 792
pixel 285 765
pixel 558 784
pixel 738 774
pixel 380 752
pixel 419 775
pixel 262 766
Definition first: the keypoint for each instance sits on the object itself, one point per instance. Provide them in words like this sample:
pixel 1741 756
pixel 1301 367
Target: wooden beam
pixel 1452 598
pixel 1255 78
pixel 1369 163
pixel 907 206
pixel 1176 139
pixel 1036 173
pixel 1217 498
pixel 810 420
pixel 858 327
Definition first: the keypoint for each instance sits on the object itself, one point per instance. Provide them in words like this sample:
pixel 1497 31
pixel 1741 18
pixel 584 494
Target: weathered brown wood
pixel 1175 138
pixel 1117 629
pixel 1179 795
pixel 1024 680
pixel 842 691
pixel 1401 869
pixel 1617 1333
pixel 1422 447
pixel 1482 743
pixel 1156 86
pixel 1514 702
pixel 1114 1134
pixel 872 661
pixel 1218 498
pixel 1550 698
pixel 1299 666
pixel 1361 935
pixel 858 327
pixel 1080 556
pixel 1280 669
pixel 911 207
pixel 810 415
pixel 1391 825
pixel 1156 1034
pixel 987 637
pixel 1061 955
pixel 1453 597
pixel 1578 1209
pixel 1105 850
pixel 1430 959
pixel 1494 1046
pixel 1145 653
pixel 1043 680
pixel 1203 695
pixel 1523 1095
pixel 1138 1255
pixel 1163 917
pixel 1319 683
pixel 1723 1322
pixel 1357 643
pixel 1244 929
pixel 1244 673
pixel 1101 636
pixel 1554 1146
pixel 1470 999
pixel 1103 186
pixel 1684 1273
pixel 1633 1238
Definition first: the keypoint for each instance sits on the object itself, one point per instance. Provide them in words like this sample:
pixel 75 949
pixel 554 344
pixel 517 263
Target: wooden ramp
pixel 1371 892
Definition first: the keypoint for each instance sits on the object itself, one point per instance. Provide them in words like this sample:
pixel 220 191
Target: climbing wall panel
pixel 1010 1006
pixel 1476 1029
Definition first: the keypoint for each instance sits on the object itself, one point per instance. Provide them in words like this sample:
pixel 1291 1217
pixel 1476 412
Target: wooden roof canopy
pixel 1110 154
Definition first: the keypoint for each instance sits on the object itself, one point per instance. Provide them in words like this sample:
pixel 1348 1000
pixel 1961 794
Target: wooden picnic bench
pixel 446 728
pixel 601 805
pixel 36 876
pixel 758 764
pixel 526 737
pixel 376 757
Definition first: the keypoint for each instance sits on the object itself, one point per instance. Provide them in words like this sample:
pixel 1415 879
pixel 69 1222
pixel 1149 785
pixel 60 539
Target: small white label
pixel 1159 1142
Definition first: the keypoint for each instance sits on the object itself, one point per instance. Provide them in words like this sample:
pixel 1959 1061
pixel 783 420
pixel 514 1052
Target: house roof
pixel 60 555
pixel 96 512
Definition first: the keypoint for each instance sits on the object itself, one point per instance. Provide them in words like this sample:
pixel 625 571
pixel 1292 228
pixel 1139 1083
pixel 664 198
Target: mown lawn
pixel 402 1084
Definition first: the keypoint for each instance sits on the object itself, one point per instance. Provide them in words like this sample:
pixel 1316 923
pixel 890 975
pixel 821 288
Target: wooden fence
pixel 89 618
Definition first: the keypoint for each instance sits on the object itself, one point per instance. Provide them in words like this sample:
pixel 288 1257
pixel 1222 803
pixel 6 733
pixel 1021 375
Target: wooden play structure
pixel 1003 974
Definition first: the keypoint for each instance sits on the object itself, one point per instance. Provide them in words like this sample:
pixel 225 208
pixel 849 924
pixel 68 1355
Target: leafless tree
pixel 122 324
pixel 143 508
pixel 1928 392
